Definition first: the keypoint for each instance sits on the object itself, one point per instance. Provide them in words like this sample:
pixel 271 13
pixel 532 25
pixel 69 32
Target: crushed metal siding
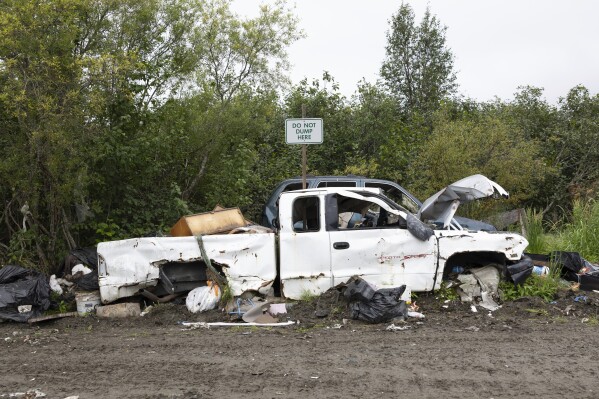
pixel 126 266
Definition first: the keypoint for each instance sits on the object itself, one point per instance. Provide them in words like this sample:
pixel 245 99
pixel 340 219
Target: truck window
pixel 396 195
pixel 306 214
pixel 293 186
pixel 358 214
pixel 336 184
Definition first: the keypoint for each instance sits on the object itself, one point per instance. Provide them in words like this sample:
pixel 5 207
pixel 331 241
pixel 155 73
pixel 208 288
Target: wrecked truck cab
pixel 390 189
pixel 388 247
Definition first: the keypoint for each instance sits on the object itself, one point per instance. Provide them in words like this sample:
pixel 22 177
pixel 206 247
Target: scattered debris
pixel 30 394
pixel 393 327
pixel 488 279
pixel 147 310
pixel 258 314
pixel 277 309
pixel 80 267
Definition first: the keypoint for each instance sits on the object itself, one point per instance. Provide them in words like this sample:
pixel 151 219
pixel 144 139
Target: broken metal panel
pixel 452 242
pixel 127 266
pixel 512 245
pixel 443 204
pixel 249 260
pixel 296 288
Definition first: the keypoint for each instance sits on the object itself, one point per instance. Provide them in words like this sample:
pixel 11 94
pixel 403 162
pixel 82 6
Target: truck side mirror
pixel 275 223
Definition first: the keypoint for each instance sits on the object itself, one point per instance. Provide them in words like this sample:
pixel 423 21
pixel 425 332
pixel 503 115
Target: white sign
pixel 303 131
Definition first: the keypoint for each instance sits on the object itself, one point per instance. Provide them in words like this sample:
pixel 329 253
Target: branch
pixel 185 195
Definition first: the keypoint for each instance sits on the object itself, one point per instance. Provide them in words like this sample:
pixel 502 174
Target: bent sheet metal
pixel 127 266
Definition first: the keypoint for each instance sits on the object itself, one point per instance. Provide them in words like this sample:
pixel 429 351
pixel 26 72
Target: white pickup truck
pixel 325 236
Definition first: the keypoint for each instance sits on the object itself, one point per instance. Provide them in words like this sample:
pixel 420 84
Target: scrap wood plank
pixel 51 317
pixel 212 272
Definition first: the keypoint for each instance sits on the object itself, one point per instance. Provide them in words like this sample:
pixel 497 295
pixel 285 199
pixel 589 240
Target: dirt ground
pixel 526 349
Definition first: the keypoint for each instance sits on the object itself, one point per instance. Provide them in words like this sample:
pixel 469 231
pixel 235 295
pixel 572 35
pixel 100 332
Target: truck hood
pixel 443 205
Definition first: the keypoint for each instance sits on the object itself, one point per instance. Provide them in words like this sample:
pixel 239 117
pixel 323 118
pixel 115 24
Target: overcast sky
pixel 498 45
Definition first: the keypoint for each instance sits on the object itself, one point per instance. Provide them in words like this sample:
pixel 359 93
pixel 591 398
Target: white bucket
pixel 87 301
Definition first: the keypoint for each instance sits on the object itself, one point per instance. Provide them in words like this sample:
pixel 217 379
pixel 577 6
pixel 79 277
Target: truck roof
pixel 375 190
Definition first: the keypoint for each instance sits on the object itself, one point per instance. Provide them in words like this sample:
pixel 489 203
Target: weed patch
pixel 544 287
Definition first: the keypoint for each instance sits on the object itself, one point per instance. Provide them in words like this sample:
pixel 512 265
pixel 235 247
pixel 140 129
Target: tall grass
pixel 535 233
pixel 581 234
pixel 578 233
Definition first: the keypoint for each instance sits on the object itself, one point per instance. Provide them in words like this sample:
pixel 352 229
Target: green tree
pixel 113 111
pixel 382 141
pixel 418 67
pixel 578 153
pixel 243 59
pixel 485 144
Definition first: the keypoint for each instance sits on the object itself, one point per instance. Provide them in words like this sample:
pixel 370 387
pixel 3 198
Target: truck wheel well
pixel 468 260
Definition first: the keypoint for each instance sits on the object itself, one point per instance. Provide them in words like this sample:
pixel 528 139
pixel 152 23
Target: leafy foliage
pixel 479 143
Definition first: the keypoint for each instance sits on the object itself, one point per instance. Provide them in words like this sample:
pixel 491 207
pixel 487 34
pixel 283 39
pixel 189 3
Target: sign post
pixel 304 131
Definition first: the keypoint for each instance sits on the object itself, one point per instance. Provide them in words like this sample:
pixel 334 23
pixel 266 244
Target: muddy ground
pixel 526 349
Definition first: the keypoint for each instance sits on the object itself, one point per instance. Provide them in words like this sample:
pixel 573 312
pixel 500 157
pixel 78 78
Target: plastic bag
pixel 520 271
pixel 375 307
pixel 54 285
pixel 203 298
pixel 88 282
pixel 19 286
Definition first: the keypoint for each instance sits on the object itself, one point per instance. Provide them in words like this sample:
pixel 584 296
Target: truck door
pixel 305 259
pixel 376 245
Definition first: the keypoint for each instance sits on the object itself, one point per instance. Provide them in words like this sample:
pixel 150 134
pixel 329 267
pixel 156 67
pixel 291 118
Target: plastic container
pixel 540 270
pixel 87 301
pixel 457 269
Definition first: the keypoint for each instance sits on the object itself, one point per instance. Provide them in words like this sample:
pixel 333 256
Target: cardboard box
pixel 214 222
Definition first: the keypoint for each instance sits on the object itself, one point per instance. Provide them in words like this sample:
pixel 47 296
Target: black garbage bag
pixel 518 272
pixel 88 282
pixel 20 286
pixel 88 257
pixel 569 262
pixel 589 281
pixel 375 306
